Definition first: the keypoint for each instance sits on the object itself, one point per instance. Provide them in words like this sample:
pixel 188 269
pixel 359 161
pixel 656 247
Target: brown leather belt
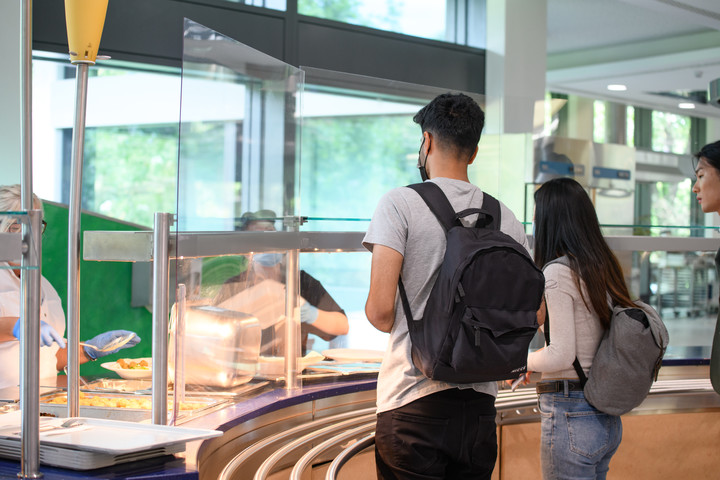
pixel 558 386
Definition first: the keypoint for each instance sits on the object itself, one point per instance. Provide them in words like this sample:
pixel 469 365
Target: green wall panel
pixel 105 288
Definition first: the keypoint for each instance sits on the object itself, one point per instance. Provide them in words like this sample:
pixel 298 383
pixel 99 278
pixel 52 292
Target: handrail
pixel 255 448
pixel 265 468
pixel 305 460
pixel 347 454
pixel 526 397
pixel 512 407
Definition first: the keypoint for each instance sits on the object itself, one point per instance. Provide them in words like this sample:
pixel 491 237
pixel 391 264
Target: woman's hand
pixel 523 379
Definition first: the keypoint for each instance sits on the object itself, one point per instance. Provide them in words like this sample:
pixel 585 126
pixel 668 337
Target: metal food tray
pixel 115 385
pixel 123 413
pixel 94 443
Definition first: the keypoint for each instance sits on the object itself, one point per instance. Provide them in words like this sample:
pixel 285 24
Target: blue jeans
pixel 577 440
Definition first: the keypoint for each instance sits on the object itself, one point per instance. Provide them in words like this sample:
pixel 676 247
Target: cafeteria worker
pixel 53 351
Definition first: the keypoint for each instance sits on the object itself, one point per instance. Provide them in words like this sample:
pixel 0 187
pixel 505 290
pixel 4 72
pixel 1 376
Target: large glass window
pixel 131 138
pixel 670 206
pixel 599 121
pixel 445 20
pixel 670 133
pixel 271 4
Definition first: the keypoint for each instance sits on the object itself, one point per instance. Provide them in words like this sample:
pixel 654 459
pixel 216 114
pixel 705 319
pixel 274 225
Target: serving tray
pixel 95 443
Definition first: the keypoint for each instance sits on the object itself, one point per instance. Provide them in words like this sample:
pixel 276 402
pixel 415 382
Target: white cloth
pixel 51 311
pixel 574 330
pixel 403 222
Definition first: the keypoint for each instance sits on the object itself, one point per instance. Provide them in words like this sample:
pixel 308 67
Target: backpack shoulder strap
pixel 546 329
pixel 491 206
pixel 438 203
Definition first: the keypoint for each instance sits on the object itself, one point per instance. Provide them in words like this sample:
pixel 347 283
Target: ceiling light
pixel 686 105
pixel 616 87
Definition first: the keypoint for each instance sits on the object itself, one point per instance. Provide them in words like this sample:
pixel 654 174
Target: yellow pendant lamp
pixel 85 20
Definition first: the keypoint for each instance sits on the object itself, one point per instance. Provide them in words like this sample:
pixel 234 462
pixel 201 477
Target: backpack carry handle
pixel 485 218
pixel 432 194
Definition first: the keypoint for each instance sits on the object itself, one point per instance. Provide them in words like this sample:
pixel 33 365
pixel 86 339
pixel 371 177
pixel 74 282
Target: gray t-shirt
pixel 402 221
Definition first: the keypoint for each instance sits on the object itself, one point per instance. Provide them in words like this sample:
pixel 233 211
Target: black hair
pixel 566 224
pixel 455 120
pixel 711 154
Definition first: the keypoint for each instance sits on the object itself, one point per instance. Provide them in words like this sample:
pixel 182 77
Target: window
pixel 271 4
pixel 444 20
pixel 670 133
pixel 599 121
pixel 131 137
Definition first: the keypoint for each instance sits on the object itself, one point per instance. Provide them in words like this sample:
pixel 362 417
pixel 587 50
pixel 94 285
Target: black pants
pixel 450 434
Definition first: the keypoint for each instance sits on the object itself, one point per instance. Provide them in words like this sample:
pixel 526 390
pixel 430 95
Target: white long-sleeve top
pixel 51 311
pixel 574 330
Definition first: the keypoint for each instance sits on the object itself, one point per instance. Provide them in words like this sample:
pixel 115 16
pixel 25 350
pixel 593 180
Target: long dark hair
pixel 566 224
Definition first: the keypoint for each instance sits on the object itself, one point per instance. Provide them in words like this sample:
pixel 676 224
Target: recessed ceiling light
pixel 686 105
pixel 616 87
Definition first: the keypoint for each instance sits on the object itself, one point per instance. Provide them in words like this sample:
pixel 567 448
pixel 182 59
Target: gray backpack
pixel 628 358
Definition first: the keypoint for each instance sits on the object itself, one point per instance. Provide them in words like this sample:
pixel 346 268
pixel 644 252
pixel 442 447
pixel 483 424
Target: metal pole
pixel 26 111
pixel 161 280
pixel 30 346
pixel 292 322
pixel 74 213
pixel 30 270
pixel 179 380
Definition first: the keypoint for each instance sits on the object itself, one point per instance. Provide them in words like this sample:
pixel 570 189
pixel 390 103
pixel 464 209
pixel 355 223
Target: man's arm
pixel 384 276
pixel 61 358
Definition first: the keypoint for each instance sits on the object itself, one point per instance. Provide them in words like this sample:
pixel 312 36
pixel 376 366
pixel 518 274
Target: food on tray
pixel 129 364
pixel 119 402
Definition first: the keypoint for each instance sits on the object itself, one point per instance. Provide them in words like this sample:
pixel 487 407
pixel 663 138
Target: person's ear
pixel 474 155
pixel 427 144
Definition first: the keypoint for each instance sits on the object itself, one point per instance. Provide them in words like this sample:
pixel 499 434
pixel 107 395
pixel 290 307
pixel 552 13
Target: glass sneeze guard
pixel 278 180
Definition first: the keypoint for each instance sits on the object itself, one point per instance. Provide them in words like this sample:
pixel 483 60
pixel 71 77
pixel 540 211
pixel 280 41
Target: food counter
pixel 231 413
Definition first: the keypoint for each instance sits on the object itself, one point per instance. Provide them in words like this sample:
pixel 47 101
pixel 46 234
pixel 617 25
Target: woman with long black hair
pixel 583 278
pixel 707 189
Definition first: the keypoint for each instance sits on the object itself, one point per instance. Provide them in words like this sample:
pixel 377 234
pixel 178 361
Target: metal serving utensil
pixel 116 343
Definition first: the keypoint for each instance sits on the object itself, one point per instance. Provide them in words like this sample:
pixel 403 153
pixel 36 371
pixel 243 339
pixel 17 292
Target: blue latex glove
pixel 103 339
pixel 48 334
pixel 308 313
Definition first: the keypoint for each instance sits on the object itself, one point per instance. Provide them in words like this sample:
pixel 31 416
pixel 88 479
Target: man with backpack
pixel 428 428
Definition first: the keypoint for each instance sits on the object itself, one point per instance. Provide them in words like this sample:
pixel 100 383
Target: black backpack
pixel 481 314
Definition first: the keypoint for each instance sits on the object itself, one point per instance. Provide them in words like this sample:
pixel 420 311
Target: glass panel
pixel 444 20
pixel 670 132
pixel 631 126
pixel 271 4
pixel 237 137
pixel 599 121
pixel 683 287
pixel 358 142
pixel 236 172
pixel 130 153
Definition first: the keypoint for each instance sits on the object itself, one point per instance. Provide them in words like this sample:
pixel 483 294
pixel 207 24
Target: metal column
pixel 30 271
pixel 74 213
pixel 30 345
pixel 161 280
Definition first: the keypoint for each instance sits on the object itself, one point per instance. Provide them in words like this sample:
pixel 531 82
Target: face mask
pixel 268 259
pixel 421 166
